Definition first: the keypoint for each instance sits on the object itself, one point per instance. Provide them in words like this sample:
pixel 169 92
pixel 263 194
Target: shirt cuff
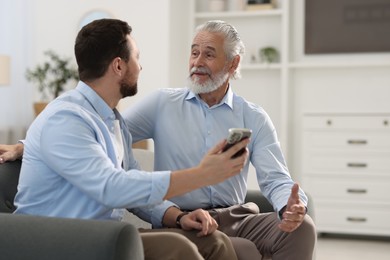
pixel 158 213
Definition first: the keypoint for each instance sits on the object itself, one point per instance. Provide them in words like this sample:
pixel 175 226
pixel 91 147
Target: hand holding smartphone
pixel 235 136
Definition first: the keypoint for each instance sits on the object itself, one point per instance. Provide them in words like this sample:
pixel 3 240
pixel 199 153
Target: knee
pixel 219 246
pixel 245 249
pixel 168 244
pixel 185 246
pixel 308 227
pixel 220 240
pixel 307 231
pixel 299 244
pixel 243 243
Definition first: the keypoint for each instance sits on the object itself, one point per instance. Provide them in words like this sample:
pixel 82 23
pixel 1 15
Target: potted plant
pixel 268 54
pixel 51 78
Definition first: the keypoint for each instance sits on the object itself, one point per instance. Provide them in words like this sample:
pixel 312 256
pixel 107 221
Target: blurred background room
pixel 321 69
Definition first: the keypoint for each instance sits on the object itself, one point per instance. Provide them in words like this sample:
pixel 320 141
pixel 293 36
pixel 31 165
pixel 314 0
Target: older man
pixel 190 120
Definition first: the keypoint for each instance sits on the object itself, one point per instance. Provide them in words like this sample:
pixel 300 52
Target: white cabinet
pixel 346 169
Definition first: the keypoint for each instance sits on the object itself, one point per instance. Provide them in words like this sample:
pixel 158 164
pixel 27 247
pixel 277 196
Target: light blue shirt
pixel 183 128
pixel 70 168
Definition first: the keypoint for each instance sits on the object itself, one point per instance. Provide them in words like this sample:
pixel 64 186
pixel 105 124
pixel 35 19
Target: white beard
pixel 213 83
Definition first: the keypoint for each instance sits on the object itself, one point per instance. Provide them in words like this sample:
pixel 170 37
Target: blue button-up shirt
pixel 70 167
pixel 183 128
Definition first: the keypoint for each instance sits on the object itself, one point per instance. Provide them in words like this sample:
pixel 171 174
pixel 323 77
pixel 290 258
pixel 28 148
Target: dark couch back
pixel 9 177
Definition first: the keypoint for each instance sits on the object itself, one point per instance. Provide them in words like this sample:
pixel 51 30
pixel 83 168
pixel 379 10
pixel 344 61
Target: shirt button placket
pixel 208 130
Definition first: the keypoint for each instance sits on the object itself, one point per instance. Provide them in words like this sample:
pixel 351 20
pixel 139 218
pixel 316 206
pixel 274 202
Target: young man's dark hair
pixel 97 44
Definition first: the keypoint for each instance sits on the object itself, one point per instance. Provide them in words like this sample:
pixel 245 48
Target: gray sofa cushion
pixel 9 177
pixel 25 237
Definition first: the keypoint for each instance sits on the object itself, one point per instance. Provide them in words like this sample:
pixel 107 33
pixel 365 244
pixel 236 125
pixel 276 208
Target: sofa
pixel 25 237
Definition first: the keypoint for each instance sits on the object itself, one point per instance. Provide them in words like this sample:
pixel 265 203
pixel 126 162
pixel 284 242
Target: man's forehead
pixel 207 40
pixel 132 43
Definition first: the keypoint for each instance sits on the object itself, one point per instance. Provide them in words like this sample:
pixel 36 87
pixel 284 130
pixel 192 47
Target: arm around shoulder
pixel 11 152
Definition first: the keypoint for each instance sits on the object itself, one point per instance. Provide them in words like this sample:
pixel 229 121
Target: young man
pixel 201 115
pixel 78 162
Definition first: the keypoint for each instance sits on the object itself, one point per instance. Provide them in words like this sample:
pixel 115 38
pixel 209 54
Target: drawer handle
pixel 356 219
pixel 358 142
pixel 357 165
pixel 357 191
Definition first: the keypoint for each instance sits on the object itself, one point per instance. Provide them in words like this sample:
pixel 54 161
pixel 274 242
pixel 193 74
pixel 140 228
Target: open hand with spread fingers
pixel 294 212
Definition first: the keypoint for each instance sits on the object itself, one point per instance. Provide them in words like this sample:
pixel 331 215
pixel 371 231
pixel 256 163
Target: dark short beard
pixel 128 90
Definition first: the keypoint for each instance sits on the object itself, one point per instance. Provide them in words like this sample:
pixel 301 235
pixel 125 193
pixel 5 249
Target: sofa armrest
pixel 34 237
pixel 258 198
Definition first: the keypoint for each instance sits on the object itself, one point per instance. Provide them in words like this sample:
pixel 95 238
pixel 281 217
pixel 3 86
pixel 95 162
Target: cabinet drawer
pixel 351 189
pixel 347 122
pixel 348 163
pixel 364 219
pixel 354 141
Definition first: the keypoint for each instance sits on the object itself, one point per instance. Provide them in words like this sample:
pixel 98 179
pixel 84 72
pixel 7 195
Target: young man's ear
pixel 116 65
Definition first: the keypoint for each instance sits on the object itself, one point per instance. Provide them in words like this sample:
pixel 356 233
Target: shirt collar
pixel 97 103
pixel 227 99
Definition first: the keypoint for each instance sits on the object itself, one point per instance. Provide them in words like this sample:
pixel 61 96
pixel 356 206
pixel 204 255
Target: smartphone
pixel 235 136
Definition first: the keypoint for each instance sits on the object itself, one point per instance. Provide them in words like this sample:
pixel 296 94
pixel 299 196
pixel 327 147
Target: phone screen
pixel 235 136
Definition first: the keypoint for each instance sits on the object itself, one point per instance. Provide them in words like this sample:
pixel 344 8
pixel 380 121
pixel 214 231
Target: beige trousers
pixel 177 244
pixel 260 230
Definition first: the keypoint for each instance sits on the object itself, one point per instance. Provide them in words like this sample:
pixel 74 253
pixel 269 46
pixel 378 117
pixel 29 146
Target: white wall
pixel 15 99
pixel 149 19
pixel 179 42
pixel 30 27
